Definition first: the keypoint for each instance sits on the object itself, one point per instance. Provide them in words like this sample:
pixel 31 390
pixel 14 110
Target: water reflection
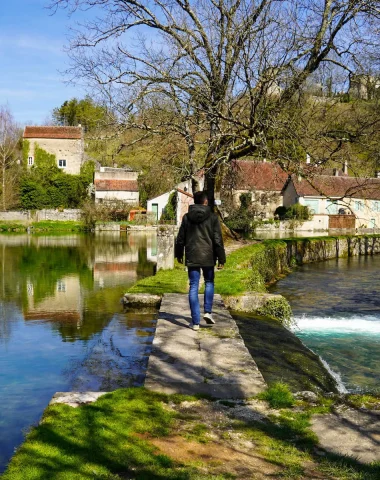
pixel 62 325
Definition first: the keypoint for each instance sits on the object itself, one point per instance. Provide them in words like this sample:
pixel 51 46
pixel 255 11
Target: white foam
pixel 364 325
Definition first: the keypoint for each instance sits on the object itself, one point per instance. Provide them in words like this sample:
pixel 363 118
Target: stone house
pixel 329 196
pixel 66 143
pixel 263 180
pixel 116 184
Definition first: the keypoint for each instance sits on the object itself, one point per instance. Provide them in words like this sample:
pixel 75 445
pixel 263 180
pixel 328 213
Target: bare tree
pixel 228 73
pixel 9 142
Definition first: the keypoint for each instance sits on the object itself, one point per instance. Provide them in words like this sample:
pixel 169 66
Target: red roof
pixel 339 187
pixel 53 132
pixel 117 185
pixel 254 175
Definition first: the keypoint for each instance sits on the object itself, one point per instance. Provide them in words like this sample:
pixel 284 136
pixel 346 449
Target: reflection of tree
pixel 7 314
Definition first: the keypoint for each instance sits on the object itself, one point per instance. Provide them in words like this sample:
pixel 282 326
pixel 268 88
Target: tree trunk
pixel 3 186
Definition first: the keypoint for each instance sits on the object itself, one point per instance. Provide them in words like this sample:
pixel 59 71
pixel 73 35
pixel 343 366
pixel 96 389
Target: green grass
pixel 49 226
pixel 68 225
pixel 278 395
pixel 165 281
pixel 109 439
pixel 234 279
pixel 99 440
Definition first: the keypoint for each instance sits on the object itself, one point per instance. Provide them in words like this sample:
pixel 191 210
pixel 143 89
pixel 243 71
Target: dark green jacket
pixel 200 237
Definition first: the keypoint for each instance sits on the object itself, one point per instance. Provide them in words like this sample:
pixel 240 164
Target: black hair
pixel 200 197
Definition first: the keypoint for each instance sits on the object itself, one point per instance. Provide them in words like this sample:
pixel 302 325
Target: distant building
pixel 263 180
pixel 66 143
pixel 364 87
pixel 327 195
pixel 116 184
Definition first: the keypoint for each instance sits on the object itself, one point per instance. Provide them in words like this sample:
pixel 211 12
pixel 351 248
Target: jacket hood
pixel 198 213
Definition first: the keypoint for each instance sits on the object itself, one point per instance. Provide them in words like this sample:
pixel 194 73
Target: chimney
pixel 307 158
pixel 345 168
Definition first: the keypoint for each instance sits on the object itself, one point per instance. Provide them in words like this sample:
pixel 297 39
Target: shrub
pixel 278 396
pixel 298 212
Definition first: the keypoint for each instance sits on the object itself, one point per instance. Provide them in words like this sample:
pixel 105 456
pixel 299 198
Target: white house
pixel 184 199
pixel 66 143
pixel 116 184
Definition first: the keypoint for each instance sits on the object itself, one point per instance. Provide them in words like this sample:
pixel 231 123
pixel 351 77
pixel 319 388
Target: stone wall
pixel 41 215
pixel 165 247
pixel 316 250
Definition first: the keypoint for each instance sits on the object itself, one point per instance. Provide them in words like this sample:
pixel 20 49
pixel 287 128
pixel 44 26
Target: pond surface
pixel 336 305
pixel 62 325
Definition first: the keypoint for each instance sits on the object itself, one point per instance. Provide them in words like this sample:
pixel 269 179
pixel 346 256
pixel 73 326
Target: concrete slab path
pixel 350 432
pixel 212 360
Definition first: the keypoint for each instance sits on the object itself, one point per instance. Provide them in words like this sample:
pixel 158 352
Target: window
pixel 312 204
pixel 61 286
pixel 376 206
pixel 358 205
pixel 30 161
pixel 332 207
pixel 62 163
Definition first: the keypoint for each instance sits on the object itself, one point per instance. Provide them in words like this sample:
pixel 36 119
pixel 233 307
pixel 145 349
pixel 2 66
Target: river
pixel 336 307
pixel 62 326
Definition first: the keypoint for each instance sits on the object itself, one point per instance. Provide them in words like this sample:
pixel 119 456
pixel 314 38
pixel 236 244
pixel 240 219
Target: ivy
pixel 44 185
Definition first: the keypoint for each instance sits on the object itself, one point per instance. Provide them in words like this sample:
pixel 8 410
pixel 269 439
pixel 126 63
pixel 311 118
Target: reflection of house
pixel 116 184
pixel 359 196
pixel 66 143
pixel 65 304
pixel 262 180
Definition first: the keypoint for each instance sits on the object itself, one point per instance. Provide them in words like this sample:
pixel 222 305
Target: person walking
pixel 200 238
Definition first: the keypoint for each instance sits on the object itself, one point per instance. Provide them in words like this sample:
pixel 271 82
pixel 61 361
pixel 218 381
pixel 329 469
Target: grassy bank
pixel 43 226
pixel 247 269
pixel 141 435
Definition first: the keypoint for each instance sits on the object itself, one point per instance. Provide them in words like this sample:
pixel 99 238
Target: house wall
pixel 161 201
pixel 289 195
pixel 274 200
pixel 116 174
pixel 128 197
pixel 68 149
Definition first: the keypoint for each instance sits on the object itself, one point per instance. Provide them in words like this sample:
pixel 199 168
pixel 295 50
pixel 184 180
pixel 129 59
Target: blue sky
pixel 31 59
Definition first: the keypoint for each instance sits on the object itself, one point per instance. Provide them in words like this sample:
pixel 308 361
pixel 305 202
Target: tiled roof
pixel 254 175
pixel 339 187
pixel 117 185
pixel 53 132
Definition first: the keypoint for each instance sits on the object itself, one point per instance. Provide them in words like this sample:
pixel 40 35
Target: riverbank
pixel 139 434
pixel 121 438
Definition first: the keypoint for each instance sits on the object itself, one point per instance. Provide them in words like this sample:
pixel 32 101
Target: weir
pixel 213 361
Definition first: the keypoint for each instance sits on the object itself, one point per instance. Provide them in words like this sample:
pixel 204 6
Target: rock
pixel 249 302
pixel 141 299
pixel 310 397
pixel 75 399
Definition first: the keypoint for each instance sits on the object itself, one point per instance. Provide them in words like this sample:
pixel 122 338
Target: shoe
pixel 193 326
pixel 208 318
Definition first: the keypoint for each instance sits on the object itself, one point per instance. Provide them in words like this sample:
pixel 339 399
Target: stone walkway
pixel 212 361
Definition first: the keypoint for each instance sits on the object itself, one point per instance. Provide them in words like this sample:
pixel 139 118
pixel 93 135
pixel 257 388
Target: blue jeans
pixel 194 274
